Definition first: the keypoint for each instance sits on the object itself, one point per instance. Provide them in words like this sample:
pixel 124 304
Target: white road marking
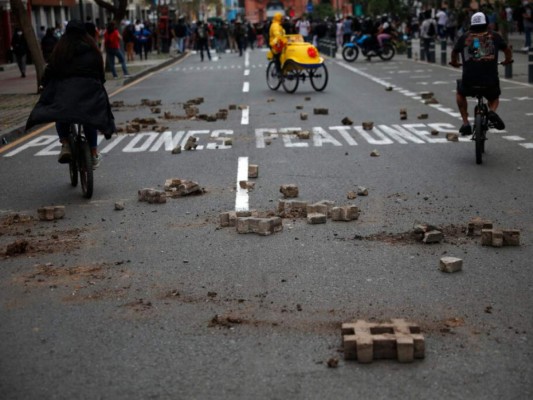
pixel 246 72
pixel 246 59
pixel 246 87
pixel 513 138
pixel 242 198
pixel 245 119
pixel 527 145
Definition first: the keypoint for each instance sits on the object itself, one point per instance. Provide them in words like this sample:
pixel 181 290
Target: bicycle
pixel 81 160
pixel 481 126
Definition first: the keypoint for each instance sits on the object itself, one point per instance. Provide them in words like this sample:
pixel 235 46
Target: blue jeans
pixel 63 130
pixel 111 53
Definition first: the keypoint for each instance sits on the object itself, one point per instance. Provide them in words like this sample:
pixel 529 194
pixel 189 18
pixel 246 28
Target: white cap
pixel 478 19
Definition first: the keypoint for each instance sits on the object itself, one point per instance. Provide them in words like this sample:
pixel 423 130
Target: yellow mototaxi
pixel 299 61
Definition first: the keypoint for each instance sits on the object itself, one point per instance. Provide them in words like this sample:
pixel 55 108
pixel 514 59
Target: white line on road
pixel 246 72
pixel 527 145
pixel 513 138
pixel 245 116
pixel 241 198
pixel 247 59
pixel 246 87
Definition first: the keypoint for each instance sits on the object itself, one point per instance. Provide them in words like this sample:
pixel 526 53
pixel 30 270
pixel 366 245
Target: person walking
pixel 128 35
pixel 74 92
pixel 428 32
pixel 19 47
pixel 112 48
pixel 202 35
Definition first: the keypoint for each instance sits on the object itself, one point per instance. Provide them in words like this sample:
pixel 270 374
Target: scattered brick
pixel 500 238
pixel 423 116
pixel 434 132
pixel 51 213
pixel 150 103
pixel 347 121
pixel 362 191
pixel 260 226
pixel 333 362
pixel 368 126
pixel 253 171
pixel 299 107
pixel 228 142
pixel 426 95
pixel 475 225
pixel 307 98
pixel 271 100
pixel 292 209
pixel 17 247
pixel 119 205
pixel 191 143
pixel 159 129
pixel 452 137
pixel 388 88
pixel 303 116
pixel 176 150
pixel 351 195
pixel 133 128
pixel 316 218
pixel 152 196
pixel 268 142
pixel 450 264
pixel 511 237
pixel 247 185
pixel 196 101
pixel 304 135
pixel 180 187
pixel 242 107
pixel 321 111
pixel 229 218
pixel 374 153
pixel 365 341
pixel 432 100
pixel 155 110
pixel 345 213
pixel 144 121
pixel 117 103
pixel 403 113
pixel 289 191
pixel 433 237
pixel 232 107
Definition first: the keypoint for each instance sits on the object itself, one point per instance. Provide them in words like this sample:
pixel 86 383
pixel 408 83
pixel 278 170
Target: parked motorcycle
pixel 369 46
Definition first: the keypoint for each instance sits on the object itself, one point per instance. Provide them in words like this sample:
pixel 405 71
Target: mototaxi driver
pixel 277 40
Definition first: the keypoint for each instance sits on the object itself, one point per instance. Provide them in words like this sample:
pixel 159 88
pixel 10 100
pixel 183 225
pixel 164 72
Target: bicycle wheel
pixel 479 138
pixel 319 77
pixel 350 53
pixel 72 166
pixel 291 77
pixel 387 52
pixel 272 76
pixel 85 165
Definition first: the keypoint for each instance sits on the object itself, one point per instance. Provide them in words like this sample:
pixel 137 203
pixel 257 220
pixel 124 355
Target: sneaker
pixel 127 76
pixel 96 161
pixel 465 130
pixel 496 120
pixel 64 155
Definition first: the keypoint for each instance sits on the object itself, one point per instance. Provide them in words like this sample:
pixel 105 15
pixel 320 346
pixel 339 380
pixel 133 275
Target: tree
pixel 119 12
pixel 22 19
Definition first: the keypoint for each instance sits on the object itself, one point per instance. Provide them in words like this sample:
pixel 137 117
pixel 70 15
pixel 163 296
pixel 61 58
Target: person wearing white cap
pixel 479 49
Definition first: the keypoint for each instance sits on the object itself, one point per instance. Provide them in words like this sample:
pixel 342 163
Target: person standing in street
pixel 19 47
pixel 112 48
pixel 202 35
pixel 527 18
pixel 304 28
pixel 428 32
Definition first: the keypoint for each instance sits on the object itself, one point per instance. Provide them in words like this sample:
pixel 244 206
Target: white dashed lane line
pixel 241 197
pixel 246 87
pixel 245 119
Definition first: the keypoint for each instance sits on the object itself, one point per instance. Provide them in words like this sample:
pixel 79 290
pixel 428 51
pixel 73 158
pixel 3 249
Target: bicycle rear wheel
pixel 85 165
pixel 319 77
pixel 291 77
pixel 479 138
pixel 73 166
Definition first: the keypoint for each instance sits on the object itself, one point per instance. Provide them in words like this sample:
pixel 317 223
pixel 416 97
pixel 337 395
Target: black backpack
pixel 431 30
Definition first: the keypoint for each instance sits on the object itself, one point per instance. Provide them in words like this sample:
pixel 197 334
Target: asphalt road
pixel 109 304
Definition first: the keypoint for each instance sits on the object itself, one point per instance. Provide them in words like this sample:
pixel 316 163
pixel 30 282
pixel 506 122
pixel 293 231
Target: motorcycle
pixel 369 46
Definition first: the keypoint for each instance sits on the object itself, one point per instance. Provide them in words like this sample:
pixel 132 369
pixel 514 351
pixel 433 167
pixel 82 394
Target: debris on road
pixel 374 153
pixel 434 132
pixel 17 247
pixel 260 226
pixel 253 171
pixel 368 126
pixel 289 191
pixel 229 218
pixel 144 121
pixel 307 98
pixel 152 196
pixel 362 191
pixel 500 238
pixel 150 103
pixel 228 142
pixel 196 101
pixel 389 88
pixel 351 195
pixel 224 321
pixel 191 143
pixel 304 135
pixel 321 111
pixel 299 107
pixel 403 113
pixel 426 95
pixel 321 207
pixel 452 137
pixel 232 107
pixel 423 116
pixel 476 225
pixel 303 116
pixel 292 209
pixel 365 341
pixel 117 104
pixel 450 264
pixel 347 121
pixel 176 150
pixel 247 185
pixel 155 110
pixel 51 213
pixel 431 100
pixel 271 100
pixel 119 205
pixel 176 187
pixel 427 233
pixel 333 362
pixel 316 218
pixel 345 213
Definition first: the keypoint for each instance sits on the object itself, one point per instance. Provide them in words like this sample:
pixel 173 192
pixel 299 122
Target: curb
pixel 18 132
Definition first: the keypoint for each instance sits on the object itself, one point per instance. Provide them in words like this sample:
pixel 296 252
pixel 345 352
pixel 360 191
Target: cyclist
pixel 277 38
pixel 74 91
pixel 479 48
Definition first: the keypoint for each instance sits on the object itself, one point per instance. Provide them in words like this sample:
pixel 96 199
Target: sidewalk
pixel 19 95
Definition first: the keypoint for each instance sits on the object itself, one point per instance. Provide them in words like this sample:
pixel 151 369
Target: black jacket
pixel 74 93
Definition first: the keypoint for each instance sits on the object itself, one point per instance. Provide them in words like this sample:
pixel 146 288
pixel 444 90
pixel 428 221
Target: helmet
pixel 278 17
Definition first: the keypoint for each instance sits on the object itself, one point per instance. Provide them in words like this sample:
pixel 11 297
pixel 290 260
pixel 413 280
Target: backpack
pixel 201 32
pixel 431 29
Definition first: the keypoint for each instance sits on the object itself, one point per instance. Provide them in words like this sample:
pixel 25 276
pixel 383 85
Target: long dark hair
pixel 68 48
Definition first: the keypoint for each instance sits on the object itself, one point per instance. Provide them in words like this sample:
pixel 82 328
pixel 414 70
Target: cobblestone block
pixel 432 100
pixel 181 187
pixel 322 207
pixel 307 98
pixel 51 213
pixel 345 213
pixel 511 237
pixel 452 137
pixel 374 153
pixel 260 226
pixel 347 121
pixel 450 264
pixel 232 107
pixel 303 116
pixel 388 89
pixel 152 196
pixel 351 195
pixel 486 237
pixel 403 113
pixel 423 116
pixel 119 206
pixel 368 126
pixel 229 218
pixel 253 171
pixel 304 135
pixel 292 209
pixel 366 341
pixel 176 150
pixel 191 143
pixel 247 185
pixel 289 191
pixel 475 225
pixel 316 218
pixel 433 237
pixel 150 103
pixel 155 110
pixel 321 111
pixel 299 107
pixel 434 132
pixel 497 238
pixel 362 191
pixel 426 95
